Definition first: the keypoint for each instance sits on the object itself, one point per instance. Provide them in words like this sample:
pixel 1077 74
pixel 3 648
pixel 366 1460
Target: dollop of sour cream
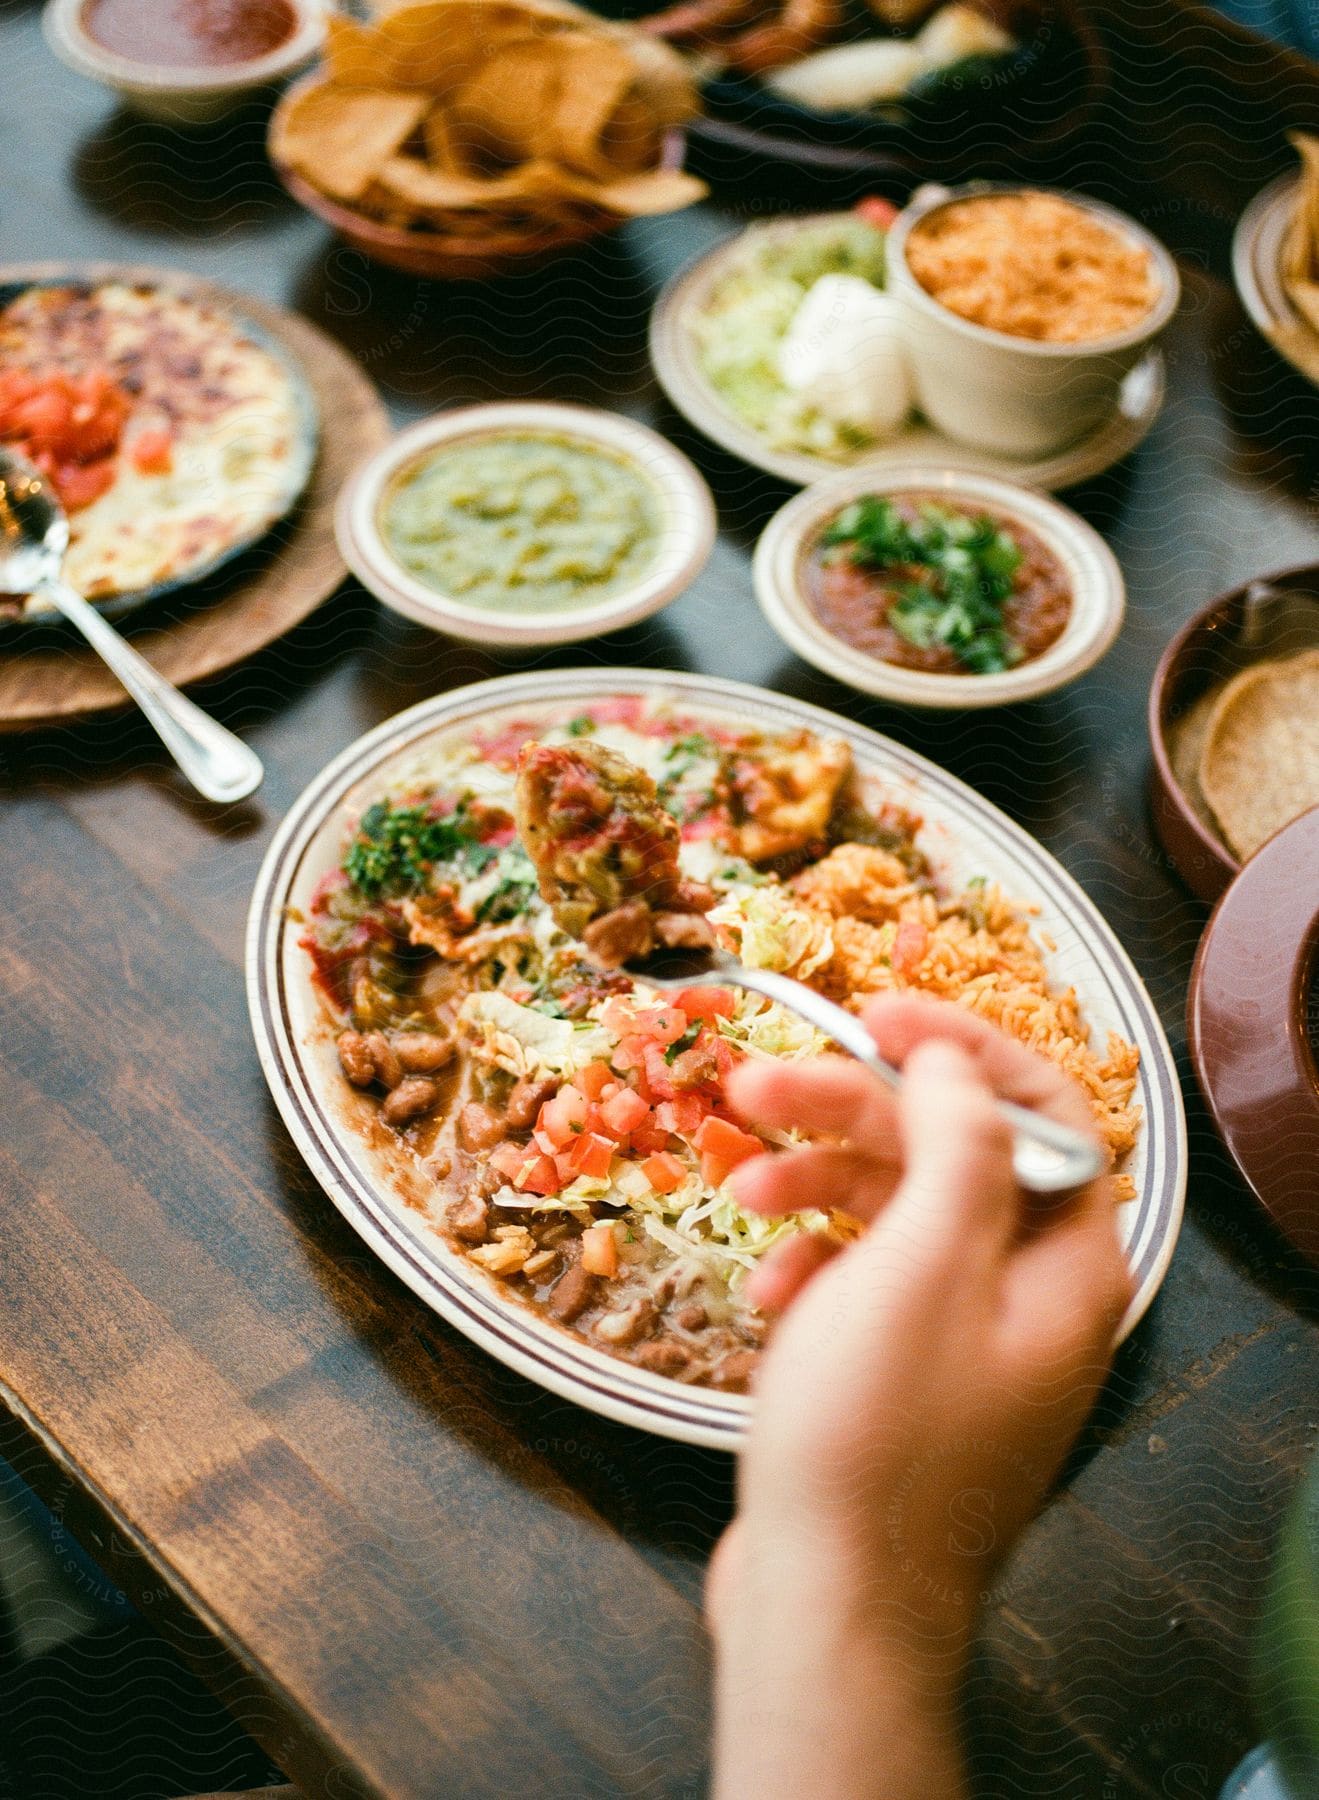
pixel 844 351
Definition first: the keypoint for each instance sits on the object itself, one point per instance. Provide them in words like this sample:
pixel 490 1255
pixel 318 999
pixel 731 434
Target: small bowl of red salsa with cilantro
pixel 937 587
pixel 185 61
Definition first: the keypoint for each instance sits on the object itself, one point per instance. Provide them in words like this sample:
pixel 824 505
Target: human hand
pixel 923 1384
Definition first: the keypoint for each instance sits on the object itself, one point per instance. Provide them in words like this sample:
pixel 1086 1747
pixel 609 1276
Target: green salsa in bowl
pixel 524 524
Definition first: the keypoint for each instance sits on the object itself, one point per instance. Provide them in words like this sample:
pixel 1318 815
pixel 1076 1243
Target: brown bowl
pixel 1245 625
pixel 444 256
pixel 1248 1020
pixel 454 256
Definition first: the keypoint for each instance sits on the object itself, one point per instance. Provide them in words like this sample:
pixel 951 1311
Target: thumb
pixel 958 1149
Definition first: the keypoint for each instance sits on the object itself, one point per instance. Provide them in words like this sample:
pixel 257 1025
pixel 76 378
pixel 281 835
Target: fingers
pixel 818 1175
pixel 778 1280
pixel 958 1148
pixel 830 1096
pixel 900 1022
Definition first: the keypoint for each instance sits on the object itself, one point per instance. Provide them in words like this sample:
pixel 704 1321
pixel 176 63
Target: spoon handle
pixel 1047 1158
pixel 218 764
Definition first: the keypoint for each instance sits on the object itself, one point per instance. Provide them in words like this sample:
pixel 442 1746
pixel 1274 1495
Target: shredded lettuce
pixel 773 933
pixel 525 1041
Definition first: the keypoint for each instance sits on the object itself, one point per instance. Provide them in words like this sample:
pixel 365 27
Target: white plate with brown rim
pixel 675 357
pixel 783 570
pixel 684 510
pixel 380 1191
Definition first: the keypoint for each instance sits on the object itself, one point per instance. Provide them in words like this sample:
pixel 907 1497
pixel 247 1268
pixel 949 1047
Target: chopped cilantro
pixel 516 885
pixel 958 570
pixel 397 846
pixel 582 726
pixel 685 1042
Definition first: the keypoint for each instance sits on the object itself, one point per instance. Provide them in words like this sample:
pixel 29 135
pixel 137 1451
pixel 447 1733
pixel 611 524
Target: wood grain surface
pixel 48 674
pixel 409 1572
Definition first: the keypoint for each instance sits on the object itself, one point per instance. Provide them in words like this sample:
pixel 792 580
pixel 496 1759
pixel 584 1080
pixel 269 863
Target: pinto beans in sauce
pixel 423 1052
pixel 414 1096
pixel 478 1127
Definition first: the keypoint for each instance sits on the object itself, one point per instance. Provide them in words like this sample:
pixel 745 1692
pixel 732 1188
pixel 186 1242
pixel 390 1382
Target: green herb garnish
pixel 396 848
pixel 957 571
pixel 512 895
pixel 685 1042
pixel 582 726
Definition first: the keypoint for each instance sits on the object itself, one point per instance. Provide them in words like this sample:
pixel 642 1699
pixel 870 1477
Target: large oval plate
pixel 964 836
pixel 678 370
pixel 18 280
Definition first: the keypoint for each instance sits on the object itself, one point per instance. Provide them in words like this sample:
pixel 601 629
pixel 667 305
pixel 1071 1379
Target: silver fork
pixel 1047 1158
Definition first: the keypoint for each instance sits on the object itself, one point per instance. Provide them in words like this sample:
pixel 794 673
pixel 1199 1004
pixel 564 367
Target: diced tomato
pixel 592 1079
pixel 618 1016
pixel 876 211
pixel 623 1112
pixel 665 1024
pixel 910 943
pixel 153 452
pixel 590 1155
pixel 539 1176
pixel 706 1003
pixel 723 1148
pixel 630 1052
pixel 649 1137
pixel 664 1172
pixel 507 1159
pixel 561 1118
pixel 600 1251
pixel 683 1114
pixel 78 484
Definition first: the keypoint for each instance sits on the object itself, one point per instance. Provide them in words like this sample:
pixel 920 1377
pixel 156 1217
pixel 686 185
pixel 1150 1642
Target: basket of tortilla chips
pixel 454 137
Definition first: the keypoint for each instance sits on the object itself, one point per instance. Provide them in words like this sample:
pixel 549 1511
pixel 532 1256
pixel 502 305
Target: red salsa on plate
pixel 914 580
pixel 190 34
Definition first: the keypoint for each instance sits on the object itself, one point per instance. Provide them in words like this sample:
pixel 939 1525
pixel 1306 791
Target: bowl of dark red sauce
pixel 185 61
pixel 939 587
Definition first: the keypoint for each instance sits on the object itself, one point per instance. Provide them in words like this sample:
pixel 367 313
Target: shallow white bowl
pixel 1098 590
pixel 687 524
pixel 1012 395
pixel 181 96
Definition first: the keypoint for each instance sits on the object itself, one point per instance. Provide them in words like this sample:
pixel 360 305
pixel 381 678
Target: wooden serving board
pixel 47 675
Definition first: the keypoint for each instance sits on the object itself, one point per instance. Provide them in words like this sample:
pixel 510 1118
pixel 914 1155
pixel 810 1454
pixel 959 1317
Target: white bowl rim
pixel 933 197
pixel 74 44
pixel 686 540
pixel 1098 589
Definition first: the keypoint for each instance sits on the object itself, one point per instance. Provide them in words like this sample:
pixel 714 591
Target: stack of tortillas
pixel 1257 739
pixel 1300 255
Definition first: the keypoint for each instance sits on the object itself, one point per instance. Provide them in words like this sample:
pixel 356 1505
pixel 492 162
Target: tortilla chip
pixel 508 107
pixel 355 56
pixel 1259 767
pixel 340 137
pixel 594 77
pixel 440 44
pixel 658 191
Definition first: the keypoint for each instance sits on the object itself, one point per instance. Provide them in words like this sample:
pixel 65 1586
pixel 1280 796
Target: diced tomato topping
pixel 683 1114
pixel 623 1112
pixel 649 1137
pixel 600 1251
pixel 665 1024
pixel 592 1079
pixel 664 1172
pixel 78 484
pixel 876 211
pixel 706 1003
pixel 153 452
pixel 562 1117
pixel 723 1147
pixel 507 1159
pixel 590 1155
pixel 618 1016
pixel 539 1177
pixel 630 1052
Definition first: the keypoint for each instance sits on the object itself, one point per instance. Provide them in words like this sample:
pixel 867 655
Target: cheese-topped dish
pixel 172 435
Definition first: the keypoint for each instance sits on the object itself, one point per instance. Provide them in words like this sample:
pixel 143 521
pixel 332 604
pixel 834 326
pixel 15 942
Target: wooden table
pixel 408 1571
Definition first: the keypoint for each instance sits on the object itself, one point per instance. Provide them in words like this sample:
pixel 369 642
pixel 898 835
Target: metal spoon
pixel 1047 1158
pixel 34 538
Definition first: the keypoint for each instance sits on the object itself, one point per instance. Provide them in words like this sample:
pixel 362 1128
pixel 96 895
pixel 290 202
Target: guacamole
pixel 523 521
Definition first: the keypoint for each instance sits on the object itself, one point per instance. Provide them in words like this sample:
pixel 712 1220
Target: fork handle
pixel 1047 1158
pixel 218 764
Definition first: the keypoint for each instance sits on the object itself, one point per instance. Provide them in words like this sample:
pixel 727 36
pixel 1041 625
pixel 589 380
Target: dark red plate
pixel 1252 1032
